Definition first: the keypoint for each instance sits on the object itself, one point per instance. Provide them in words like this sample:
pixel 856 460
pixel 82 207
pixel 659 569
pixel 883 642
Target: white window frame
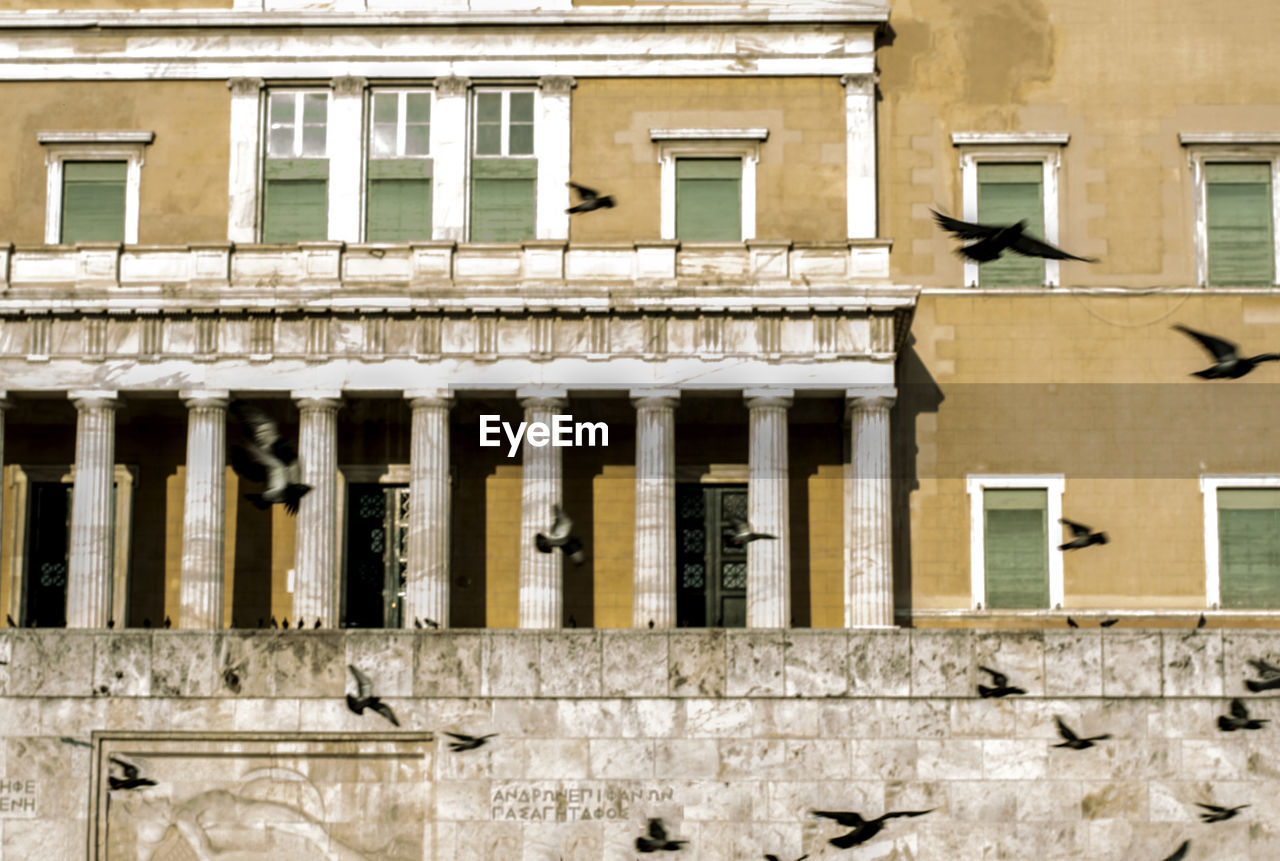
pixel 402 122
pixel 976 485
pixel 61 147
pixel 741 144
pixel 299 95
pixel 1228 147
pixel 1210 484
pixel 504 130
pixel 1011 147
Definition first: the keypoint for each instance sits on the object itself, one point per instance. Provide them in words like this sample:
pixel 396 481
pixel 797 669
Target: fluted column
pixel 868 513
pixel 92 548
pixel 427 580
pixel 655 552
pixel 315 574
pixel 204 509
pixel 768 561
pixel 541 574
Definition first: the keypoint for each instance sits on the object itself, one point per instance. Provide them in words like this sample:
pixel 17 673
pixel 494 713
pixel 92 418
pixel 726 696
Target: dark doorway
pixel 377 555
pixel 711 572
pixel 48 552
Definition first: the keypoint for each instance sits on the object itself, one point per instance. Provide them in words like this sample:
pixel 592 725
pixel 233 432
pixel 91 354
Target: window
pixel 503 170
pixel 93 185
pixel 709 199
pixel 1242 541
pixel 1014 561
pixel 296 173
pixel 1236 182
pixel 1007 194
pixel 708 183
pixel 398 201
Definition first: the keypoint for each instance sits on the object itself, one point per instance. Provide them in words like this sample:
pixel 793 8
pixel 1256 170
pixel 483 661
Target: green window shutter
pixel 1007 194
pixel 399 210
pixel 1249 548
pixel 502 199
pixel 93 194
pixel 709 199
pixel 1017 548
pixel 1238 211
pixel 296 200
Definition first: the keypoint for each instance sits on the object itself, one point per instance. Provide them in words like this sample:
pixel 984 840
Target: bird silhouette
pixel 1071 623
pixel 231 677
pixel 466 742
pixel 430 623
pixel 269 459
pixel 9 621
pixel 111 623
pixel 1228 363
pixel 739 532
pixel 131 780
pixel 561 535
pixel 168 622
pixel 1073 741
pixel 1239 719
pixel 1270 676
pixel 285 623
pixel 1107 623
pixel 993 240
pixel 863 829
pixel 366 699
pixel 317 624
pixel 417 623
pixel 1081 535
pixel 274 623
pixel 1219 814
pixel 1180 852
pixel 591 199
pixel 658 840
pixel 1001 686
pixel 1203 621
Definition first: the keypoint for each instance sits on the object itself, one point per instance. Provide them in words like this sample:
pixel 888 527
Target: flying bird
pixel 561 535
pixel 591 199
pixel 367 700
pixel 1180 852
pixel 1219 814
pixel 269 459
pixel 993 240
pixel 1239 719
pixel 863 829
pixel 1107 623
pixel 1229 364
pixel 739 532
pixel 658 841
pixel 1073 741
pixel 1270 677
pixel 1001 686
pixel 131 780
pixel 1081 535
pixel 467 742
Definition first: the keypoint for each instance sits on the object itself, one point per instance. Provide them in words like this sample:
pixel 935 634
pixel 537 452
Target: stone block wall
pixel 730 737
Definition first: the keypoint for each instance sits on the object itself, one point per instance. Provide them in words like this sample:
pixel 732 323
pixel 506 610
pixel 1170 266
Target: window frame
pixel 61 147
pixel 427 160
pixel 674 144
pixel 299 94
pixel 504 122
pixel 1230 147
pixel 1210 484
pixel 976 486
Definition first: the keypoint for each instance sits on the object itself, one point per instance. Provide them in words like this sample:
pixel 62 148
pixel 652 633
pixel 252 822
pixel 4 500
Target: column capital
pixel 870 397
pixel 452 85
pixel 657 397
pixel 204 397
pixel 557 85
pixel 89 398
pixel 317 398
pixel 863 83
pixel 551 397
pixel 245 86
pixel 440 396
pixel 768 397
pixel 348 85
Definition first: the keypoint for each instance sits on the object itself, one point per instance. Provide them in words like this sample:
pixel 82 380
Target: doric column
pixel 449 159
pixel 92 548
pixel 541 574
pixel 551 146
pixel 4 405
pixel 768 561
pixel 204 509
pixel 427 580
pixel 246 150
pixel 655 553
pixel 868 521
pixel 315 574
pixel 860 154
pixel 345 130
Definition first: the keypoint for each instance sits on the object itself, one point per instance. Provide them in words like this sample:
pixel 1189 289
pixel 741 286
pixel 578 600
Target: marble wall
pixel 730 737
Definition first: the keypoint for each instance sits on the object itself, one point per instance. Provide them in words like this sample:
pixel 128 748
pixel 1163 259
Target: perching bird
pixel 739 533
pixel 863 829
pixel 1239 719
pixel 1218 814
pixel 417 623
pixel 1229 364
pixel 1071 623
pixel 1073 741
pixel 591 199
pixel 561 536
pixel 285 623
pixel 1001 684
pixel 1180 852
pixel 1203 621
pixel 130 779
pixel 111 623
pixel 274 623
pixel 658 841
pixel 317 624
pixel 1107 623
pixel 430 623
pixel 1270 676
pixel 993 240
pixel 168 622
pixel 1081 536
pixel 367 700
pixel 146 622
pixel 467 742
pixel 9 620
pixel 269 459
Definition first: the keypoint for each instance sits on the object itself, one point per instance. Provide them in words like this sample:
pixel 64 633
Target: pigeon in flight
pixel 1001 685
pixel 1180 852
pixel 367 700
pixel 561 536
pixel 1073 741
pixel 1218 814
pixel 993 240
pixel 739 533
pixel 863 829
pixel 658 841
pixel 269 459
pixel 1081 535
pixel 1229 363
pixel 1239 719
pixel 1270 677
pixel 591 199
pixel 467 742
pixel 131 780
